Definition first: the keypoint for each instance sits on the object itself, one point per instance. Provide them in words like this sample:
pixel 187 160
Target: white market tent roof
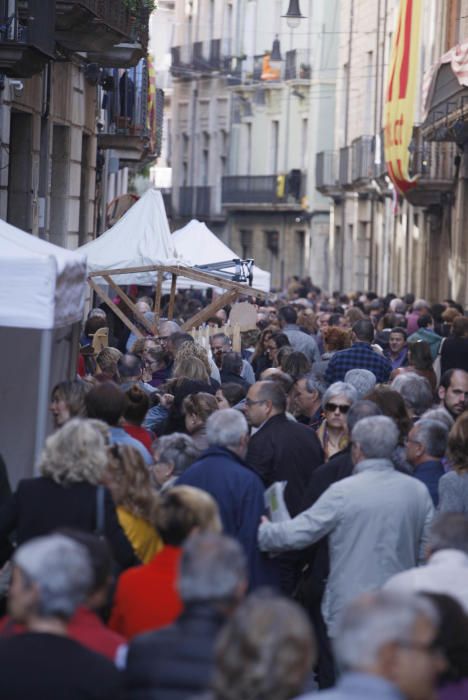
pixel 196 243
pixel 141 237
pixel 41 285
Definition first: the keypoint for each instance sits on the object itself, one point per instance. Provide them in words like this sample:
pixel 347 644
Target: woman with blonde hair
pixel 197 408
pixel 453 486
pixel 68 492
pixel 128 480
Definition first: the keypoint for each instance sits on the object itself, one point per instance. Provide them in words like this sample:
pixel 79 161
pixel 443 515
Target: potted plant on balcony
pixel 135 6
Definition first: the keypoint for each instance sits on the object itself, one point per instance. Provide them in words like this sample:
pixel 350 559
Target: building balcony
pixel 327 173
pixel 282 192
pixel 126 125
pixel 27 39
pixel 363 161
pixel 344 167
pixel 298 66
pixel 201 57
pixel 434 165
pixel 97 27
pixel 194 202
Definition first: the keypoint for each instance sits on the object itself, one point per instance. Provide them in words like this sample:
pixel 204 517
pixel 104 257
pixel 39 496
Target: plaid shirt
pixel 359 356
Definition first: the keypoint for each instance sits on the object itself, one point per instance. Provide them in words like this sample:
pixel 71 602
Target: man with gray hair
pixel 377 520
pixel 51 577
pixel 362 380
pixel 387 647
pixel 446 570
pixel 415 391
pixel 177 661
pixel 425 447
pixel 222 472
pixel 308 392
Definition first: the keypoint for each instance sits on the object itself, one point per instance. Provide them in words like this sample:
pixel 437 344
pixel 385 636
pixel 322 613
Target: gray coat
pixel 301 342
pixel 377 521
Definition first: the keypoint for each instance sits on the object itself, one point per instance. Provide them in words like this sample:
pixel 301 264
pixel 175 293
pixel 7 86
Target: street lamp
pixel 293 15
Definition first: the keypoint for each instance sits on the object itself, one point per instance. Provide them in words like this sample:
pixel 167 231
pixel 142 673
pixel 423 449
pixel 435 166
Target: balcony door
pixel 20 169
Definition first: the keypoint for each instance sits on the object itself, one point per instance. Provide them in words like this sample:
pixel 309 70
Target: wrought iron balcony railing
pixel 363 159
pixel 327 172
pixel 195 201
pixel 434 164
pixel 298 65
pixel 27 38
pixel 344 171
pixel 264 189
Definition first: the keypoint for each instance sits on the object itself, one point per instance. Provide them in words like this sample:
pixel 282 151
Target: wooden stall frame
pixel 233 291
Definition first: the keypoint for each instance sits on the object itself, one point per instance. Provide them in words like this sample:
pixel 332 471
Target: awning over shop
pixel 445 97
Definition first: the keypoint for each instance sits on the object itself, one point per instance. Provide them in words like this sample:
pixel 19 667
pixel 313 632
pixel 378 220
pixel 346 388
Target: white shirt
pixel 445 572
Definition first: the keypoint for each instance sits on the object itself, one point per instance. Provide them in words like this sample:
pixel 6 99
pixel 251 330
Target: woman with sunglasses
pixel 333 432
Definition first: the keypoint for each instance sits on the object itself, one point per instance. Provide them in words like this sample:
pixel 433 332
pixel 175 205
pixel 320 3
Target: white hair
pixel 374 620
pixel 377 437
pixel 415 391
pixel 226 428
pixel 340 389
pixel 61 570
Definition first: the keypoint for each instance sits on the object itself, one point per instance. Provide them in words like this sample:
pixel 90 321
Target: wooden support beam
pixel 170 313
pixel 115 308
pixel 227 298
pixel 189 273
pixel 157 299
pixel 120 293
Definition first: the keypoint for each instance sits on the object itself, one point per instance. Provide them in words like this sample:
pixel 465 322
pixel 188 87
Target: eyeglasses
pixel 250 402
pixel 332 407
pixel 434 647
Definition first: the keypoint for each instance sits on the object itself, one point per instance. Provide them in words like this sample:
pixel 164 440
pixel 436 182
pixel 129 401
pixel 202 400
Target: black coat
pixel 176 662
pixel 40 506
pixel 454 354
pixel 283 450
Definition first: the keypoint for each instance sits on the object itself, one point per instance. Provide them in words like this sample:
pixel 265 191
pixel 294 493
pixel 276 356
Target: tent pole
pixel 170 313
pixel 157 299
pixel 45 353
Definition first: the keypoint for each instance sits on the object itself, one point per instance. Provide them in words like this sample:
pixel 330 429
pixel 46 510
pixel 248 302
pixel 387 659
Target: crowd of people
pixel 280 520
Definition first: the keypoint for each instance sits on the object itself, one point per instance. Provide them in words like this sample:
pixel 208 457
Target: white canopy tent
pixel 42 291
pixel 196 243
pixel 141 237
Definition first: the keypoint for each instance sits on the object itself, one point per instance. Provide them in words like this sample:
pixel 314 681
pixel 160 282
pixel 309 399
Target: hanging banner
pixel 401 94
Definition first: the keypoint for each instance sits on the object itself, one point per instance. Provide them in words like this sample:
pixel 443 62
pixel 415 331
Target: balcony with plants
pixel 27 39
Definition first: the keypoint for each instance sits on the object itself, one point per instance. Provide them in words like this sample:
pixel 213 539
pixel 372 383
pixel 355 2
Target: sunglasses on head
pixel 343 408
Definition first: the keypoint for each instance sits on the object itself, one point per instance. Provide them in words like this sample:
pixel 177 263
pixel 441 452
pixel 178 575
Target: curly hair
pixel 458 443
pixel 265 651
pixel 336 339
pixel 129 481
pixel 202 405
pixel 75 453
pixel 189 351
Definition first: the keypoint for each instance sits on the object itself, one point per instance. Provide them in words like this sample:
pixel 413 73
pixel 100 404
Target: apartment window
pixel 246 243
pixel 300 252
pixel 274 146
pixel 345 105
pixel 304 143
pixel 60 185
pixel 249 148
pixel 212 18
pixel 205 158
pixel 20 167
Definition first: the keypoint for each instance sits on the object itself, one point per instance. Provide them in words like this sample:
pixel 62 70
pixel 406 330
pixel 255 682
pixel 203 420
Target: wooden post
pixel 170 313
pixel 115 309
pixel 157 298
pixel 203 315
pixel 120 293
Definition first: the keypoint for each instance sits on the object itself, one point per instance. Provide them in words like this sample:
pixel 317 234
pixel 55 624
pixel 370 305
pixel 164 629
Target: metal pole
pixel 45 352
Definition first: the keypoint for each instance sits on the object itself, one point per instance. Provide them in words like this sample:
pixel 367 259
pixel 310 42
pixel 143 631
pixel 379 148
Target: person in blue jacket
pixel 222 472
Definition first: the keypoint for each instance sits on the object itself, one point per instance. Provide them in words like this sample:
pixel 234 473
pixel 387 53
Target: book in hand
pixel 275 504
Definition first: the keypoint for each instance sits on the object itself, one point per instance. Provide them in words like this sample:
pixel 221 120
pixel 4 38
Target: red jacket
pixel 85 627
pixel 146 597
pixel 140 434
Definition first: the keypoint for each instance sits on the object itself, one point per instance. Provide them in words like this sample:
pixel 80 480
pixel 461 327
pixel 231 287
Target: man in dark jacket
pixel 176 662
pixel 238 491
pixel 280 450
